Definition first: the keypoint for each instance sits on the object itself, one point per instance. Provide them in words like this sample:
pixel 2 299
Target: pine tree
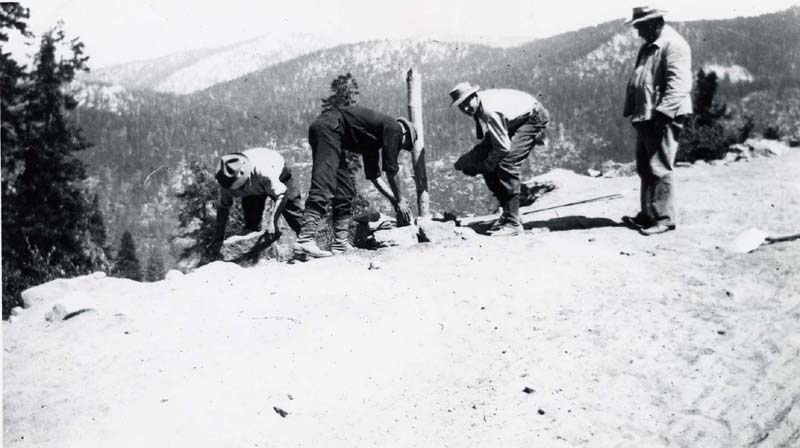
pixel 12 80
pixel 705 109
pixel 127 263
pixel 197 217
pixel 704 137
pixel 45 208
pixel 155 267
pixel 344 92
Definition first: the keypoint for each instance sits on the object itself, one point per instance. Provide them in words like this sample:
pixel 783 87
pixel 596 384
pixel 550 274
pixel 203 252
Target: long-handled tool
pixel 586 201
pixel 752 239
pixel 465 222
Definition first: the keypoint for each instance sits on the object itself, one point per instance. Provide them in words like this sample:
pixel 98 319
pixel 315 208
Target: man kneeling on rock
pixel 509 123
pixel 379 139
pixel 254 175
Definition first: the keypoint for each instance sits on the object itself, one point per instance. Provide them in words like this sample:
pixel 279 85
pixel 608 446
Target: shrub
pixel 773 132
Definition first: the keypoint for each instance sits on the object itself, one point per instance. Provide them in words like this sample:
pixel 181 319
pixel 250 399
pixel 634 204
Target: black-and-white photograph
pixel 428 223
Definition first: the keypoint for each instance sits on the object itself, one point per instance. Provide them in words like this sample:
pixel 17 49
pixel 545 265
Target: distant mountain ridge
pixel 194 70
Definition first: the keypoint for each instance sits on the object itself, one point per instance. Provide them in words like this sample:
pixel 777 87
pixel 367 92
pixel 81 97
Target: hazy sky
pixel 116 31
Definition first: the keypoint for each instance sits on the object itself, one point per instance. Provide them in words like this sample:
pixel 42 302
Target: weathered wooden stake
pixel 414 83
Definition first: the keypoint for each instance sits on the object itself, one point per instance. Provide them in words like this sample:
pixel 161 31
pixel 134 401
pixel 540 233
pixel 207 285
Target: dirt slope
pixel 618 339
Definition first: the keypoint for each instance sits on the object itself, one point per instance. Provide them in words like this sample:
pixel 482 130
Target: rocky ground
pixel 586 335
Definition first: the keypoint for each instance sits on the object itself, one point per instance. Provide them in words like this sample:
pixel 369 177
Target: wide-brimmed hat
pixel 410 129
pixel 461 92
pixel 234 169
pixel 644 13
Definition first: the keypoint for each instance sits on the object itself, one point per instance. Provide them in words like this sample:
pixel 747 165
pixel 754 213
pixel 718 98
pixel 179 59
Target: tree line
pixel 51 223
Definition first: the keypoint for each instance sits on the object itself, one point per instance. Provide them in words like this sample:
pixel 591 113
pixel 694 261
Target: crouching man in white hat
pixel 255 175
pixel 509 124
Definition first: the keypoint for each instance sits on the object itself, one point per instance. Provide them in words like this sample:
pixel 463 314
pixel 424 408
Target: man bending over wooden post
pixel 509 123
pixel 379 139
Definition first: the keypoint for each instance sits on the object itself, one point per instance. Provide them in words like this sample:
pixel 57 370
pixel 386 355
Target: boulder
pixel 173 274
pixel 611 168
pixel 739 148
pixel 239 246
pixel 60 287
pixel 381 231
pixel 431 231
pixel 731 157
pixel 250 248
pixel 396 237
pixel 56 314
pixel 366 226
pixel 739 151
pixel 766 148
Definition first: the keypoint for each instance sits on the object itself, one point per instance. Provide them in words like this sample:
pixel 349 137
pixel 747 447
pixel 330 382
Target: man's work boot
pixel 341 233
pixel 303 250
pixel 339 247
pixel 509 229
pixel 638 222
pixel 511 225
pixel 496 225
pixel 657 228
pixel 306 246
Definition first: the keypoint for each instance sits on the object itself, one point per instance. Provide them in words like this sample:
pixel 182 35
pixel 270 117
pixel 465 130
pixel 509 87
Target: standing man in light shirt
pixel 509 124
pixel 255 175
pixel 657 100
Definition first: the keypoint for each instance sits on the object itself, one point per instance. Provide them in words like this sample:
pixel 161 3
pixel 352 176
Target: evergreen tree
pixel 12 81
pixel 704 136
pixel 155 267
pixel 197 213
pixel 127 263
pixel 705 109
pixel 344 92
pixel 45 209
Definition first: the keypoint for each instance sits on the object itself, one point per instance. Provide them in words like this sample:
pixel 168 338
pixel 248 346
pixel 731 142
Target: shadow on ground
pixel 572 223
pixel 558 224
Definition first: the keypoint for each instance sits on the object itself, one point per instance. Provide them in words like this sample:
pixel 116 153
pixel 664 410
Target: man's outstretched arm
pixel 393 194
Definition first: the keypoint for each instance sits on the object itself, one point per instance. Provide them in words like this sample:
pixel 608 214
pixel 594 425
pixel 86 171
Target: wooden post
pixel 414 84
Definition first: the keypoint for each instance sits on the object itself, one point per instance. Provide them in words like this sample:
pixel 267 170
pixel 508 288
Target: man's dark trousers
pixel 253 206
pixel 331 180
